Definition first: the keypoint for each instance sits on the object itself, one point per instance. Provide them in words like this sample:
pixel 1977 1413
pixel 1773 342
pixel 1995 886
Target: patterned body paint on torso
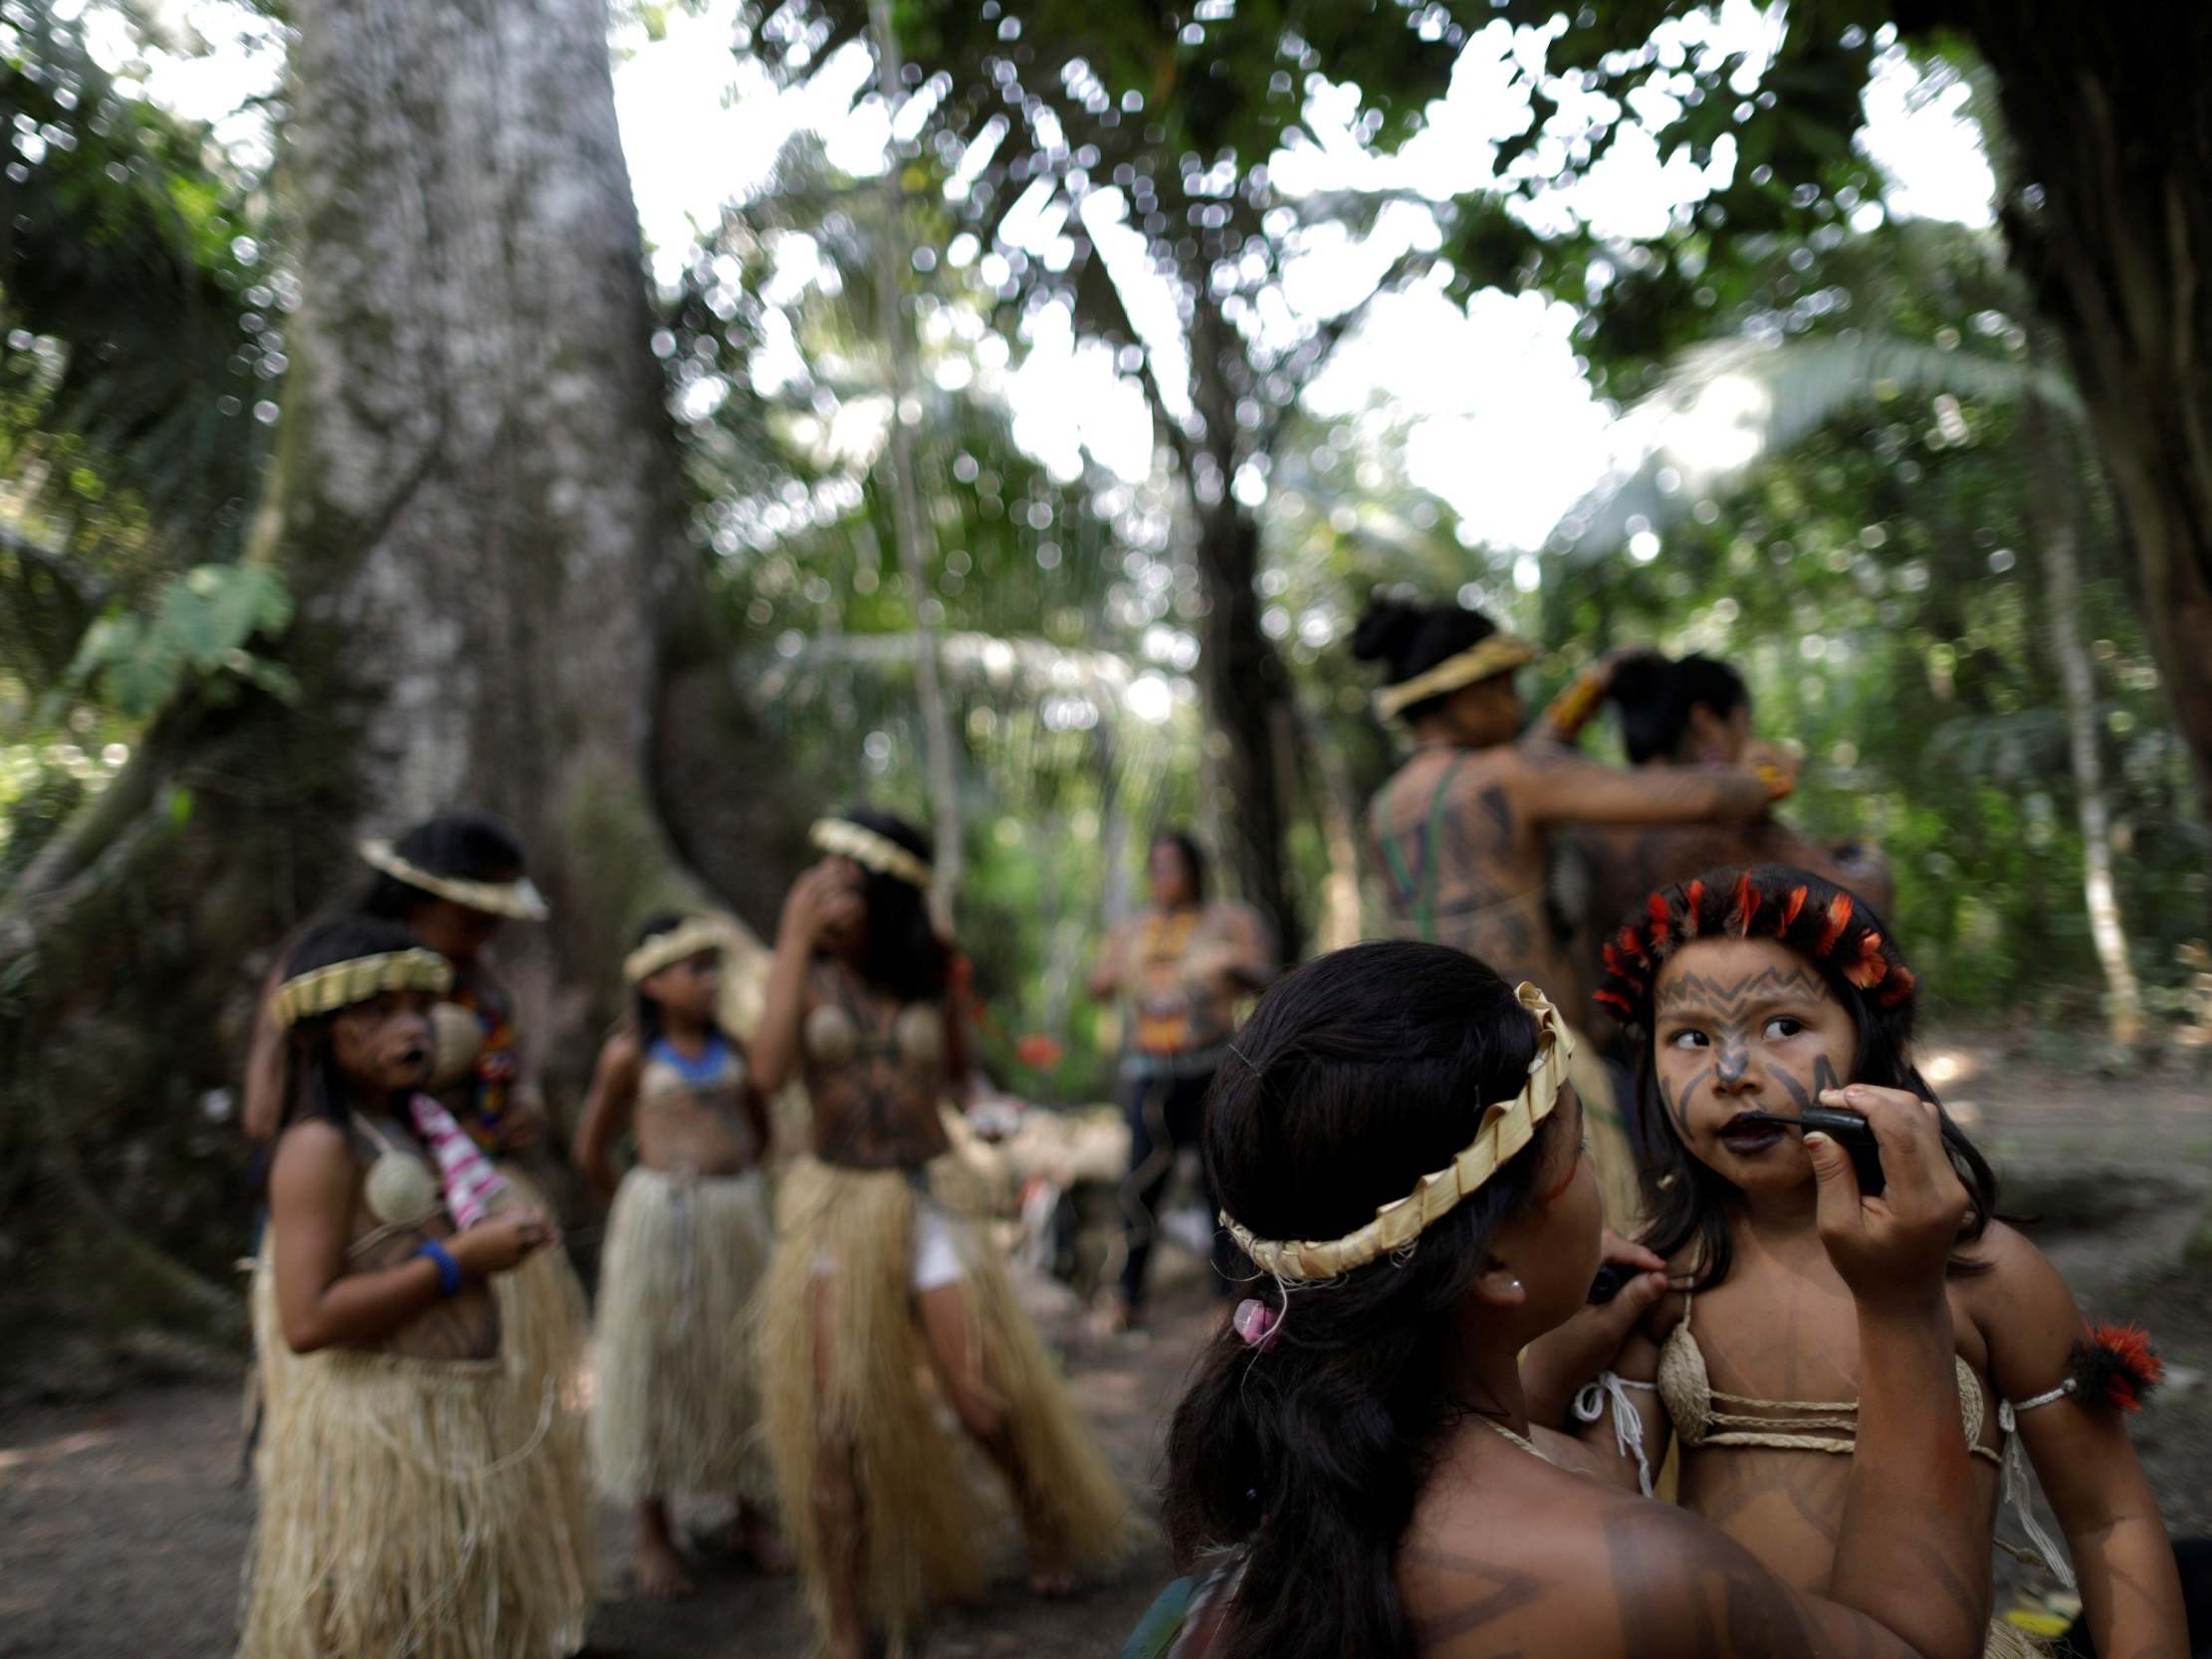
pixel 876 1070
pixel 1466 869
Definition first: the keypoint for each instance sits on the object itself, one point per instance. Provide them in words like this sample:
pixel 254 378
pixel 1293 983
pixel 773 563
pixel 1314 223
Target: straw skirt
pixel 673 1398
pixel 846 1374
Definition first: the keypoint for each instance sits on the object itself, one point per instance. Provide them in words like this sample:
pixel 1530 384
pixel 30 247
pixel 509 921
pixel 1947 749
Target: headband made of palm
pixel 518 900
pixel 325 990
pixel 680 943
pixel 1840 933
pixel 1479 662
pixel 1507 1126
pixel 871 850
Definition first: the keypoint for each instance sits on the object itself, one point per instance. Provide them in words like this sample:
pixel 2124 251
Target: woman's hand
pixel 1773 765
pixel 821 900
pixel 502 1243
pixel 1891 1250
pixel 1561 1361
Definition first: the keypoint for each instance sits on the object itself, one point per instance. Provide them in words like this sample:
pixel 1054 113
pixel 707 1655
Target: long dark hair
pixel 1367 1069
pixel 1850 947
pixel 1411 639
pixel 465 846
pixel 313 1087
pixel 1655 698
pixel 1194 857
pixel 645 1011
pixel 905 956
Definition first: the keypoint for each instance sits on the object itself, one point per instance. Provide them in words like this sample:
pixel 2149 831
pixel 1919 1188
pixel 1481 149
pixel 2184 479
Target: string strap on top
pixel 1628 1422
pixel 2014 1493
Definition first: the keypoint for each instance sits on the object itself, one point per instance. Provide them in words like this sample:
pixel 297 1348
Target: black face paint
pixel 1679 1111
pixel 1824 1078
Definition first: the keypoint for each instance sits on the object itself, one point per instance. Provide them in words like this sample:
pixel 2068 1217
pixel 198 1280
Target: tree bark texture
pixel 2114 135
pixel 475 502
pixel 1248 696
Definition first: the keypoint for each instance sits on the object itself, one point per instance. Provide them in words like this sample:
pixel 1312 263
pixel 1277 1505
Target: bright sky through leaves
pixel 1499 420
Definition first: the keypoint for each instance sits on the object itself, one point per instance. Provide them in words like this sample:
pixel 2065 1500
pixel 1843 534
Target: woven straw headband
pixel 1507 1126
pixel 691 939
pixel 325 990
pixel 865 847
pixel 1479 662
pixel 517 900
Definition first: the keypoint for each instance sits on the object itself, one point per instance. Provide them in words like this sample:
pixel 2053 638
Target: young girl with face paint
pixel 1768 992
pixel 409 1499
pixel 673 1406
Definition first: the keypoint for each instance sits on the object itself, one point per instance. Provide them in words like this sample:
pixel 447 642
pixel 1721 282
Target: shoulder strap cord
pixel 1420 889
pixel 1628 1422
pixel 2014 1491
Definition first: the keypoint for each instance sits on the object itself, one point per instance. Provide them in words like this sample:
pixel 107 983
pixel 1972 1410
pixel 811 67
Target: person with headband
pixel 884 1274
pixel 1464 827
pixel 1681 716
pixel 407 1496
pixel 1362 1465
pixel 1181 965
pixel 453 881
pixel 673 1406
pixel 1756 998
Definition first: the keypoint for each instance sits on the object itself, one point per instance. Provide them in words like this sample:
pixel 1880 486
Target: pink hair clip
pixel 1258 1323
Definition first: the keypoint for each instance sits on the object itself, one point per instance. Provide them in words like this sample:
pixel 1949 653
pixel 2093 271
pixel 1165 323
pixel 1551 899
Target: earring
pixel 1516 1283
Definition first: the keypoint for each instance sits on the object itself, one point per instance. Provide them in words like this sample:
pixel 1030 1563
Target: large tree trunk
pixel 1250 705
pixel 2114 135
pixel 474 500
pixel 1247 698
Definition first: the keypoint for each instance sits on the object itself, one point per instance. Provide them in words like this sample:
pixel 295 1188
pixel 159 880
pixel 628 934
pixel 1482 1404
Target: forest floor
pixel 124 1518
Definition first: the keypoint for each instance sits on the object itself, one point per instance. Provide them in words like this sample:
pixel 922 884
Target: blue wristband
pixel 449 1270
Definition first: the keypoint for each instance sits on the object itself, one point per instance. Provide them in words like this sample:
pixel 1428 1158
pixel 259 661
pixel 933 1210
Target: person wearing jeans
pixel 1180 967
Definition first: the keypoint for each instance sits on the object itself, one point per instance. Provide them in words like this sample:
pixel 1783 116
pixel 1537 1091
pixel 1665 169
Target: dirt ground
pixel 124 1518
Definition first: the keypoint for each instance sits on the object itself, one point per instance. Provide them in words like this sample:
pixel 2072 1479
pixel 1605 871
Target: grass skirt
pixel 2009 1641
pixel 545 1337
pixel 407 1506
pixel 672 1402
pixel 863 1380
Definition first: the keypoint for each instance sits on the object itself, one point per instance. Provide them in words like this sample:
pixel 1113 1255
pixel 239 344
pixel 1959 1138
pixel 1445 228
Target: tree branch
pixel 1332 333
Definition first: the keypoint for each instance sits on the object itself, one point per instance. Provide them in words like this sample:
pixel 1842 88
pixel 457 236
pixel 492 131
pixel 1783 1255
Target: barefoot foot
pixel 660 1571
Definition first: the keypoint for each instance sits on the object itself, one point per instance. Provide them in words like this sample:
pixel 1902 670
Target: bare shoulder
pixel 2016 1284
pixel 312 1156
pixel 1597 1573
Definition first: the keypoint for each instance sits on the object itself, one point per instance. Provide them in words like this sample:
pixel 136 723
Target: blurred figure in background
pixel 1685 718
pixel 1180 965
pixel 1465 828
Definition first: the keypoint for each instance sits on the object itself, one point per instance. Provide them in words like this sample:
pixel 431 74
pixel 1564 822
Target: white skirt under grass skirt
pixel 845 1373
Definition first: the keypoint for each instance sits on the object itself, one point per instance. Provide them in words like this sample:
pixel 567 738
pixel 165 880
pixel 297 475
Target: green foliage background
pixel 1878 580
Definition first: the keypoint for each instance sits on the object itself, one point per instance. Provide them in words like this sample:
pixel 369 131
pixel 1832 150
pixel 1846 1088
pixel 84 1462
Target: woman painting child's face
pixel 1746 1025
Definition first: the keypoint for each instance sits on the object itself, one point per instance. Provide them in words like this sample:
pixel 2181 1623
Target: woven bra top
pixel 401 1190
pixel 670 1073
pixel 839 1032
pixel 1707 1416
